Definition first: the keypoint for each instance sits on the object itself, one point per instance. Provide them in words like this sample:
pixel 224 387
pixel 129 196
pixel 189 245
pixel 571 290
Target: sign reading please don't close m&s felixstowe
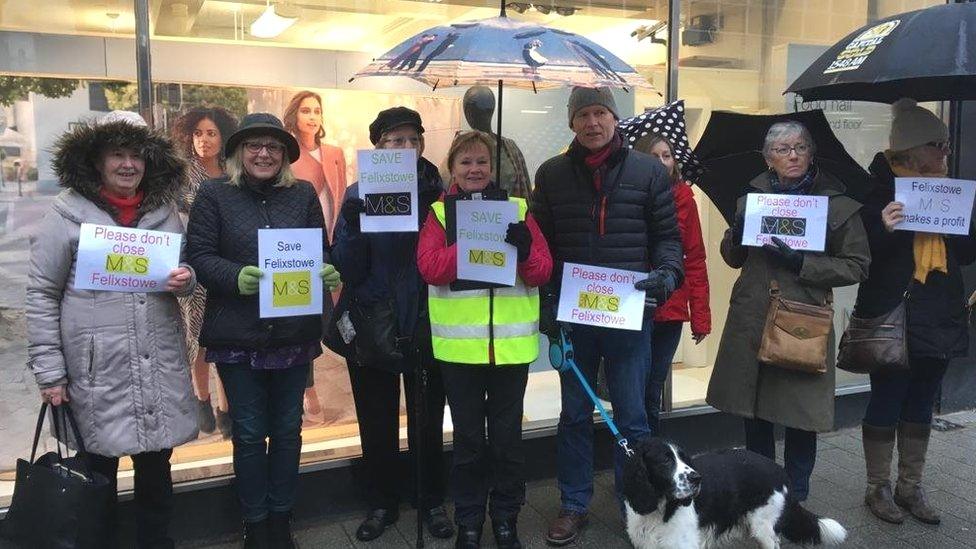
pixel 120 259
pixel 599 296
pixel 798 220
pixel 291 260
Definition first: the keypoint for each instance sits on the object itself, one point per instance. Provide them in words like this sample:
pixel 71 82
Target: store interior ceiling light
pixel 270 24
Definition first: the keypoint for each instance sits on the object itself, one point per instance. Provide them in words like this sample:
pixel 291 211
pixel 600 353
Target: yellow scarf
pixel 929 249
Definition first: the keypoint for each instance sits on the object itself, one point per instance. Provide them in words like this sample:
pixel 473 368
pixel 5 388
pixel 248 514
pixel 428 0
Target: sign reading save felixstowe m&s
pixel 388 187
pixel 120 259
pixel 291 260
pixel 482 253
pixel 600 296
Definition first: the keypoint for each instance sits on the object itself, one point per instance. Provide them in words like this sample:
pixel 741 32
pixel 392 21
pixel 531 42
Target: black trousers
pixel 486 468
pixel 153 496
pixel 377 396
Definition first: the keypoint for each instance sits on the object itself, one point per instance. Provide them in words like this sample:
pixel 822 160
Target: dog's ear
pixel 637 488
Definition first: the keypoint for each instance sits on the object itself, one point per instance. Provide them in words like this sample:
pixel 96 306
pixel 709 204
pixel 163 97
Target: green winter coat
pixel 740 385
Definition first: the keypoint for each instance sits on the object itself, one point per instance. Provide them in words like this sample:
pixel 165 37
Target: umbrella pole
pixel 498 137
pixel 420 394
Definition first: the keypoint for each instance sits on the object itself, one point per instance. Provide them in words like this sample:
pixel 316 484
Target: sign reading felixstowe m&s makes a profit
pixel 799 220
pixel 388 187
pixel 935 204
pixel 120 259
pixel 600 296
pixel 482 253
pixel 291 260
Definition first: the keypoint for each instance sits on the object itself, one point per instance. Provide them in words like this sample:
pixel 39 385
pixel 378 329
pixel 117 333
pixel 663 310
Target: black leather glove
pixel 737 227
pixel 548 311
pixel 658 286
pixel 351 209
pixel 518 235
pixel 786 256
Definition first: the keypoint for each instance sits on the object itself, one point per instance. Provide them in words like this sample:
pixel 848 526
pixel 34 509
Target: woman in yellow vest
pixel 485 340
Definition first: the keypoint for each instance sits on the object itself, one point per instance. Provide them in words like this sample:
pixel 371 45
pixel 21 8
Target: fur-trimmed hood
pixel 77 150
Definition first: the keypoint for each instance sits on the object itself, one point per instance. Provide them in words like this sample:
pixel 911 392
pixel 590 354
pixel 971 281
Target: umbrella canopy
pixel 668 122
pixel 523 55
pixel 730 152
pixel 927 55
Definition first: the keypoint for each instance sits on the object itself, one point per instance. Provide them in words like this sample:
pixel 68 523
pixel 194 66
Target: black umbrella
pixel 730 151
pixel 927 55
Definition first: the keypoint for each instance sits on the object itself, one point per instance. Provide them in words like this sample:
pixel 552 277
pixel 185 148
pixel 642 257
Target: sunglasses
pixel 943 146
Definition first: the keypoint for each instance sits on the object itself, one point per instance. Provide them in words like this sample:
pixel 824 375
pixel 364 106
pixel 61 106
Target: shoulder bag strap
pixel 37 431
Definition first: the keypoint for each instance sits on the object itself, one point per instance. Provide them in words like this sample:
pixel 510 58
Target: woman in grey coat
pixel 117 359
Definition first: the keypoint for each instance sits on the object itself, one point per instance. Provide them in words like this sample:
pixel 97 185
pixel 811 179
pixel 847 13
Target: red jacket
pixel 694 291
pixel 437 261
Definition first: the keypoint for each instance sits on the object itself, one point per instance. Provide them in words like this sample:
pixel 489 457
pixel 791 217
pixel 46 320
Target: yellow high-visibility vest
pixel 464 324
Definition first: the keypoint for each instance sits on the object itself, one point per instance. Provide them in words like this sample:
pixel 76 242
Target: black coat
pixel 629 224
pixel 222 238
pixel 937 324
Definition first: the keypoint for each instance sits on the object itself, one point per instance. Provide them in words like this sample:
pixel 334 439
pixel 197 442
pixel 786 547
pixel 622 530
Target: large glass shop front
pixel 64 61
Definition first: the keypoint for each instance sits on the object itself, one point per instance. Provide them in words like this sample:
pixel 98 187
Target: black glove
pixel 518 235
pixel 658 286
pixel 737 227
pixel 547 316
pixel 351 209
pixel 786 256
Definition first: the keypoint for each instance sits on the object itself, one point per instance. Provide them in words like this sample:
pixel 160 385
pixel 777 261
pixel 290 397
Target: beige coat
pixel 740 385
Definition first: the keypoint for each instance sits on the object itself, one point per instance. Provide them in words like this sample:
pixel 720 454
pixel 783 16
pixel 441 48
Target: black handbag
pixel 874 344
pixel 58 501
pixel 378 342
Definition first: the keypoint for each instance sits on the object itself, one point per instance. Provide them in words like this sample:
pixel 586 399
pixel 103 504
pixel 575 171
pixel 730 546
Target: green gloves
pixel 330 277
pixel 247 280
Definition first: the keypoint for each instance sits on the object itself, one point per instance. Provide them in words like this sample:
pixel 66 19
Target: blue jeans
pixel 907 395
pixel 266 408
pixel 627 362
pixel 664 343
pixel 800 452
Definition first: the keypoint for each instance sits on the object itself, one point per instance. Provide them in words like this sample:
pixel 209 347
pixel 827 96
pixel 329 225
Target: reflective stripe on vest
pixel 459 320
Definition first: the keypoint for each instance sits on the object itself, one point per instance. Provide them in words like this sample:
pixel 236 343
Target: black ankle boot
pixel 506 534
pixel 375 523
pixel 279 531
pixel 468 538
pixel 256 535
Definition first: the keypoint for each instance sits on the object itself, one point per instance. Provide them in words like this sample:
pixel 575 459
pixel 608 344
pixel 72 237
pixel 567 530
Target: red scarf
pixel 597 161
pixel 127 207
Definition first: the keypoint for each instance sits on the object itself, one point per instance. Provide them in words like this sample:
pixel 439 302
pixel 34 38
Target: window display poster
pixel 291 260
pixel 388 187
pixel 482 253
pixel 800 221
pixel 600 296
pixel 120 259
pixel 935 204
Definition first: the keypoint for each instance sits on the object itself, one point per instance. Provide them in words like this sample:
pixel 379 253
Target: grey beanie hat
pixel 582 97
pixel 913 126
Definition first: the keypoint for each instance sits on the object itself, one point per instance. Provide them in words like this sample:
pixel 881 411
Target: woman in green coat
pixel 762 394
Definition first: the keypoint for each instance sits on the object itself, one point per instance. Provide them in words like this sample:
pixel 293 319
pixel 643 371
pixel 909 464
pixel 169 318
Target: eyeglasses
pixel 801 150
pixel 272 147
pixel 521 7
pixel 943 146
pixel 399 142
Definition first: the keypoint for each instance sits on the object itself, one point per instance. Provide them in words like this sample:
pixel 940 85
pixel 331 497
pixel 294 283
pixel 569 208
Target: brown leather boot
pixel 879 442
pixel 913 444
pixel 565 528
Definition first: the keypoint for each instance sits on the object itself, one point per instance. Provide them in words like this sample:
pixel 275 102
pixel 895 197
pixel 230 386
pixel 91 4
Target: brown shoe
pixel 565 528
pixel 878 445
pixel 879 500
pixel 913 443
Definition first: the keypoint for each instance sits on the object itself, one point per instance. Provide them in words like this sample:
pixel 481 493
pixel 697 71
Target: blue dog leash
pixel 562 357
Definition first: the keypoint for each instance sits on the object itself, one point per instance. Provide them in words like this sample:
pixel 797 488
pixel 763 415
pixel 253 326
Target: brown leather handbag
pixel 879 343
pixel 796 334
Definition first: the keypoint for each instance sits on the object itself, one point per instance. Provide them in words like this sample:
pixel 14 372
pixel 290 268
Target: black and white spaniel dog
pixel 675 502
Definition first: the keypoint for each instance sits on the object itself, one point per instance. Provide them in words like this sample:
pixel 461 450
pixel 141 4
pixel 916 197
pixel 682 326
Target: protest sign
pixel 482 253
pixel 600 296
pixel 798 220
pixel 388 187
pixel 120 259
pixel 935 204
pixel 291 260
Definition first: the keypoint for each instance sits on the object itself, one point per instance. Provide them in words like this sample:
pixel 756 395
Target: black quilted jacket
pixel 629 224
pixel 222 238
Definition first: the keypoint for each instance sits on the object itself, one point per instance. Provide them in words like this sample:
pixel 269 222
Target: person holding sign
pixel 385 300
pixel 921 273
pixel 116 359
pixel 765 394
pixel 604 205
pixel 485 340
pixel 263 362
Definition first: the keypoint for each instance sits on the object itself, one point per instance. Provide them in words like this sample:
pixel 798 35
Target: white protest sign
pixel 600 296
pixel 935 204
pixel 482 253
pixel 291 260
pixel 388 187
pixel 120 259
pixel 798 220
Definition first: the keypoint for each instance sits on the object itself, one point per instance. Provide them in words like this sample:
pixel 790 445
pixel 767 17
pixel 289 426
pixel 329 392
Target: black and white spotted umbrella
pixel 668 122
